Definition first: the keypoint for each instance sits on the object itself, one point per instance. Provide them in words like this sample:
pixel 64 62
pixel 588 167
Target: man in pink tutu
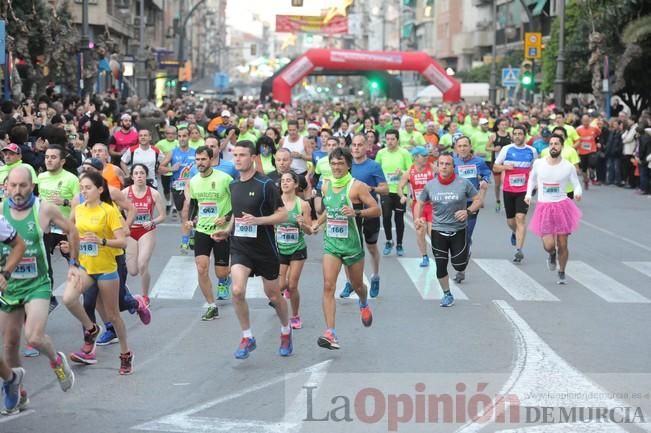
pixel 556 216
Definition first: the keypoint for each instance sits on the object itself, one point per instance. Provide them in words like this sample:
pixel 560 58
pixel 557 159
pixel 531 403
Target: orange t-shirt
pixel 111 176
pixel 587 139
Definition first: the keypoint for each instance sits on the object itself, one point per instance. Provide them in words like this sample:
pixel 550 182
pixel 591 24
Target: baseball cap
pixel 125 116
pixel 226 113
pixel 483 121
pixel 12 147
pixel 313 126
pixel 419 150
pixel 544 132
pixel 94 162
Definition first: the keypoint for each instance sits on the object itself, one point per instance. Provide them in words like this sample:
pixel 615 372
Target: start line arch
pixel 320 58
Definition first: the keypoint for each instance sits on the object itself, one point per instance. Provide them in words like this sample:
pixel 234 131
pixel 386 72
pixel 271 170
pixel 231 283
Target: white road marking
pixel 602 285
pixel 178 280
pixel 22 414
pixel 512 279
pixel 615 235
pixel 539 374
pixel 642 267
pixel 425 281
pixel 186 422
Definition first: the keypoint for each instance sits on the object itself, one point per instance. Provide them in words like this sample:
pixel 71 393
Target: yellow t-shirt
pixel 101 220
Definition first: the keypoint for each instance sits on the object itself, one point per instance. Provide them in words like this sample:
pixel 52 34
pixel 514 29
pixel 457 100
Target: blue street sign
pixel 221 80
pixel 510 77
pixel 2 42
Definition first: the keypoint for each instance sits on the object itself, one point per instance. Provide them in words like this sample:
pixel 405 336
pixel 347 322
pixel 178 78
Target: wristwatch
pixel 66 202
pixel 104 242
pixel 358 213
pixel 6 274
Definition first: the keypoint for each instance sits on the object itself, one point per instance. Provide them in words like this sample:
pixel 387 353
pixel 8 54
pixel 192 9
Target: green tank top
pixel 289 236
pixel 341 234
pixel 32 271
pixel 213 197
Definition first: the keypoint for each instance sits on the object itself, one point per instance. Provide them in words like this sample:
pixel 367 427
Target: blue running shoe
pixel 375 286
pixel 400 251
pixel 286 346
pixel 107 337
pixel 425 262
pixel 224 289
pixel 513 240
pixel 447 300
pixel 12 391
pixel 348 289
pixel 387 248
pixel 247 345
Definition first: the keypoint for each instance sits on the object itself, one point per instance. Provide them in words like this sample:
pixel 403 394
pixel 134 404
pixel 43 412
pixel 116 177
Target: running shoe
pixel 447 300
pixel 24 399
pixel 247 345
pixel 513 239
pixel 348 289
pixel 551 261
pixel 295 322
pixel 561 278
pixel 147 301
pixel 387 248
pixel 595 182
pixel 459 277
pixel 126 363
pixel 328 341
pixel 425 262
pixel 224 289
pixel 375 286
pixel 53 305
pixel 286 294
pixel 286 346
pixel 30 352
pixel 518 256
pixel 63 372
pixel 400 251
pixel 108 336
pixel 498 206
pixel 366 315
pixel 11 391
pixel 143 310
pixel 211 313
pixel 185 249
pixel 89 339
pixel 82 357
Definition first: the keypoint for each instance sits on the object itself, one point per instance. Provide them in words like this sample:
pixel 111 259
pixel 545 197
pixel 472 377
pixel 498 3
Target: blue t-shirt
pixel 229 168
pixel 369 172
pixel 473 169
pixel 540 145
pixel 186 158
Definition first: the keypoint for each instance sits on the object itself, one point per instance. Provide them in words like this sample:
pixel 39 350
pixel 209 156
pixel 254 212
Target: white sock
pixel 247 333
pixel 285 330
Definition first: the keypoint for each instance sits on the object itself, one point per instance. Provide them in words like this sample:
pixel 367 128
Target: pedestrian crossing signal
pixel 528 81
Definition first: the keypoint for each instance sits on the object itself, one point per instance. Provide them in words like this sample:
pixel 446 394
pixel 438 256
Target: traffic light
pixel 528 80
pixel 375 85
pixel 171 83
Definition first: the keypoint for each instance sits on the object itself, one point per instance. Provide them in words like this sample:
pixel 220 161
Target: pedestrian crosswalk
pixel 515 281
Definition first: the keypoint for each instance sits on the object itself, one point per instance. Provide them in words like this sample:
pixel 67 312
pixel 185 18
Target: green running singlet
pixel 213 197
pixel 289 236
pixel 342 238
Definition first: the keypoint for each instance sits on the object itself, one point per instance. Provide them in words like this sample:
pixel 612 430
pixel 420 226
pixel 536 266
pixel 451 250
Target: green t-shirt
pixel 196 144
pixel 391 161
pixel 323 168
pixel 213 197
pixel 267 165
pixel 446 141
pixel 479 141
pixel 568 153
pixel 534 130
pixel 64 185
pixel 406 137
pixel 166 146
pixel 248 135
pixel 469 130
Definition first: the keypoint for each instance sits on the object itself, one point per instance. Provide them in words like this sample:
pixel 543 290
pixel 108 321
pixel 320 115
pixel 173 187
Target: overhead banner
pixel 310 24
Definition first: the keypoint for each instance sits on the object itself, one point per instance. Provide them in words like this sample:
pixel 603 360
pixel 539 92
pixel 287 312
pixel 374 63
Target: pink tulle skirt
pixel 555 218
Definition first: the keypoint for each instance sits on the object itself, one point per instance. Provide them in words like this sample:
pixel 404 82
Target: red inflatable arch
pixel 364 61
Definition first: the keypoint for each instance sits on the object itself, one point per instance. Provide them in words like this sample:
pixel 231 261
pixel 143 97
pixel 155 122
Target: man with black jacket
pixel 644 149
pixel 613 152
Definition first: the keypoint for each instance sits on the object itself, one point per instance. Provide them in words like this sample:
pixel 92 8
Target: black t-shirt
pixel 275 178
pixel 258 197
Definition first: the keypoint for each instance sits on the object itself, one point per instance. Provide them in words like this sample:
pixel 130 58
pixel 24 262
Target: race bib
pixel 88 248
pixel 56 229
pixel 393 179
pixel 244 230
pixel 552 190
pixel 208 209
pixel 287 235
pixel 142 218
pixel 517 180
pixel 586 145
pixel 26 269
pixel 468 171
pixel 178 185
pixel 337 228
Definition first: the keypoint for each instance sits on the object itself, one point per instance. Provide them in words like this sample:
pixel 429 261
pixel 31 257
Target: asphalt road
pixel 516 333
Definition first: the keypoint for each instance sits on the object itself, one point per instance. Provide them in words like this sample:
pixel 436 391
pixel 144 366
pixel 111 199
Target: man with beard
pixel 122 139
pixel 556 215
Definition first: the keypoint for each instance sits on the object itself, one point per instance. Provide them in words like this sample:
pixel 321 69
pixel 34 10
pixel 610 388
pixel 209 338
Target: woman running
pixel 291 243
pixel 142 240
pixel 101 232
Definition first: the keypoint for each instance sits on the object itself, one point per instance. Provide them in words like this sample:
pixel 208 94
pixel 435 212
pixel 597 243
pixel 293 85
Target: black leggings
pixel 456 244
pixel 126 301
pixel 391 203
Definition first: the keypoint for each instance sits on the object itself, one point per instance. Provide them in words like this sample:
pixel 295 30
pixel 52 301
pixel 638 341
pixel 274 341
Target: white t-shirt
pixel 150 158
pixel 299 165
pixel 7 232
pixel 551 180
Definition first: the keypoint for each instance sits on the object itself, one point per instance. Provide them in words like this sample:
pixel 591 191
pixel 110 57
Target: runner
pixel 395 161
pixel 142 238
pixel 257 207
pixel 299 148
pixel 515 160
pixel 28 289
pixel 556 216
pixel 102 231
pixel 449 196
pixel 587 147
pixel 322 171
pixel 419 174
pixel 167 145
pixel 207 209
pixel 291 243
pixel 112 173
pixel 144 153
pixel 12 378
pixel 342 241
pixel 499 139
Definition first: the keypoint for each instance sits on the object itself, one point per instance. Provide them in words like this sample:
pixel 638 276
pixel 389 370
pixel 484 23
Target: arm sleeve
pixel 378 174
pixel 485 173
pixel 574 178
pixel 533 178
pixel 499 159
pixel 126 157
pixel 471 191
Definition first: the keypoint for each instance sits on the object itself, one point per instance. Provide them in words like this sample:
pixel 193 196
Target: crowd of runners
pixel 90 180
